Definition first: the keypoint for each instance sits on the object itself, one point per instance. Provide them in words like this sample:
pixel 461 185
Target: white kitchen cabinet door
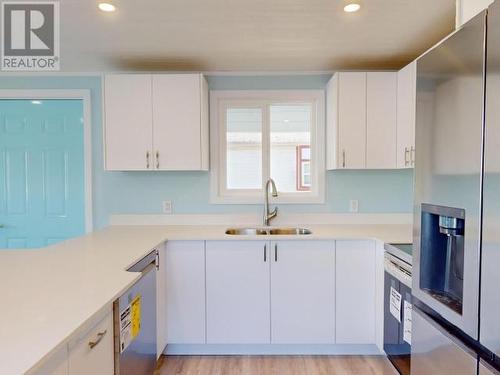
pixel 92 352
pixel 303 292
pixel 406 116
pixel 128 122
pixel 332 124
pixel 55 364
pixel 381 106
pixel 238 305
pixel 352 120
pixel 185 292
pixel 180 122
pixel 161 301
pixel 355 289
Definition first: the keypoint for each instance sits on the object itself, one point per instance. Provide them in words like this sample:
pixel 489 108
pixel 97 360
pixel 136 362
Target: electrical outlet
pixel 353 205
pixel 167 207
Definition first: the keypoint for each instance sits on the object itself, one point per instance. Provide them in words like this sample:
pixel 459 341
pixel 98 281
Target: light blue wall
pixel 142 192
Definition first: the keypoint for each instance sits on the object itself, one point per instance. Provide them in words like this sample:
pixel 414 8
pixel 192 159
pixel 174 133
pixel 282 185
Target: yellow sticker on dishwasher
pixel 135 316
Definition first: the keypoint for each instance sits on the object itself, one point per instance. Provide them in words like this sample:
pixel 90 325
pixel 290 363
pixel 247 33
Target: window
pixel 256 135
pixel 243 148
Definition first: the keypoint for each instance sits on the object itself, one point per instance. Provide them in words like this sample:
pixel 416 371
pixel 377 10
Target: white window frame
pixel 219 100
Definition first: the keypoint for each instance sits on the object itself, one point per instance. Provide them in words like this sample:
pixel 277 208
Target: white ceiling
pixel 251 35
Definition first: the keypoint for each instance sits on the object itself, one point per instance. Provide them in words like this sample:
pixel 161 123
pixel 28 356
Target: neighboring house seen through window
pixel 303 174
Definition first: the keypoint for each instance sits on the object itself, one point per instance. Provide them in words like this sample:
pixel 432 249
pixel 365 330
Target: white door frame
pixel 83 95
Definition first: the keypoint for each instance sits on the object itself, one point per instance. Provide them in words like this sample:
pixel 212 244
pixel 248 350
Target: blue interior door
pixel 42 187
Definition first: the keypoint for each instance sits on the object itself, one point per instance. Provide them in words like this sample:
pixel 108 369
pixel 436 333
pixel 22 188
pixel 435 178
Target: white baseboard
pixel 256 219
pixel 270 349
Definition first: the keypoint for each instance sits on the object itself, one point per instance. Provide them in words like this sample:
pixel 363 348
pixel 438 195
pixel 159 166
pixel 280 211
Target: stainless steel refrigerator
pixel 456 283
pixel 489 327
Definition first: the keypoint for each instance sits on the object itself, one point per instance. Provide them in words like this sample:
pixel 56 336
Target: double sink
pixel 268 231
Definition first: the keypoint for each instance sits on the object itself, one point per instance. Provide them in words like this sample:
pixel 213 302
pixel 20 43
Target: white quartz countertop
pixel 48 293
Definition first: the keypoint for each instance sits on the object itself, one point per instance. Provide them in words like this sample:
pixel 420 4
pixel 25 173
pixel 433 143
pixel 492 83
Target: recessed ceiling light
pixel 36 102
pixel 107 7
pixel 353 7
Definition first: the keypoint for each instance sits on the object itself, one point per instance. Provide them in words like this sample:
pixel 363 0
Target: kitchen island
pixel 50 293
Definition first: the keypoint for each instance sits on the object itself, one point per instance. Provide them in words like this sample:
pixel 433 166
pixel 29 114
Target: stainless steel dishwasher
pixel 398 305
pixel 135 321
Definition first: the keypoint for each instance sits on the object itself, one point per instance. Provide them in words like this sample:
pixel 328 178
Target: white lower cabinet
pixel 185 292
pixel 89 351
pixel 238 303
pixel 280 292
pixel 92 351
pixel 303 292
pixel 55 364
pixel 271 292
pixel 355 291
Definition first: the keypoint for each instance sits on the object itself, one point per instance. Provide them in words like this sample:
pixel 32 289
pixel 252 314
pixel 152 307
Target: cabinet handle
pixel 412 156
pixel 275 252
pixel 265 253
pixel 147 159
pixel 343 158
pixel 157 159
pixel 100 335
pixel 406 156
pixel 157 260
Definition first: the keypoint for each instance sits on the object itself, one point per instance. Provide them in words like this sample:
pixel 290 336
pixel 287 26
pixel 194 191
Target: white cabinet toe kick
pixel 273 297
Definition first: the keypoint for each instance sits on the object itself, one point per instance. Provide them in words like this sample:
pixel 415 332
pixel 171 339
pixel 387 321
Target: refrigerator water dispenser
pixel 442 254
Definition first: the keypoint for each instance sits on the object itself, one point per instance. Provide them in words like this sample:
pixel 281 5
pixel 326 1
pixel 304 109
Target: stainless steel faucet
pixel 269 215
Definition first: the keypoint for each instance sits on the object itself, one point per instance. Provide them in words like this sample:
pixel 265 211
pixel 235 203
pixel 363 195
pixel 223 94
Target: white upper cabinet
pixel 156 122
pixel 129 124
pixel 303 292
pixel 180 122
pixel 361 120
pixel 381 103
pixel 346 121
pixel 406 116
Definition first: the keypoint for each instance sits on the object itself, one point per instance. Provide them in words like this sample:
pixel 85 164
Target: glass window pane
pixel 306 153
pixel 306 175
pixel 290 146
pixel 244 148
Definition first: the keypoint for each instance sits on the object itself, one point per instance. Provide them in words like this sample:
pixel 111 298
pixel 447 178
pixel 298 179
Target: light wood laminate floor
pixel 274 365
